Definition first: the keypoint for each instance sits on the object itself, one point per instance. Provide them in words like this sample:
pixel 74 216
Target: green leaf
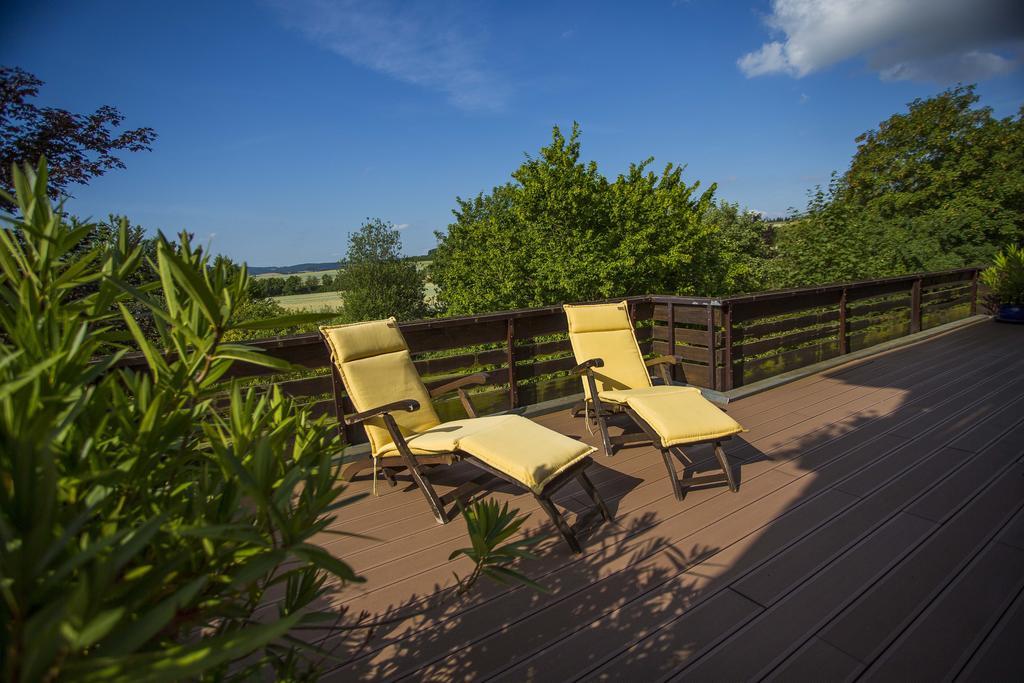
pixel 321 558
pixel 97 628
pixel 181 662
pixel 187 277
pixel 133 634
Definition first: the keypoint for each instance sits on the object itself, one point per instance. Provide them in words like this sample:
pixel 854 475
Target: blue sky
pixel 283 124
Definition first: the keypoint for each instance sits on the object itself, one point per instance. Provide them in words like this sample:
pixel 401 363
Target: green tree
pixel 376 281
pixel 939 186
pixel 78 147
pixel 742 255
pixel 561 231
pixel 293 285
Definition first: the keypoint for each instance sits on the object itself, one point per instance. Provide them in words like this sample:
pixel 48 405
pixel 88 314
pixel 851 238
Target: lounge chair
pixel 616 380
pixel 373 362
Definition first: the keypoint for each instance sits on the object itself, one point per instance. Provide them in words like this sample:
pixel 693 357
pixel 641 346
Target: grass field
pixel 313 301
pixel 305 274
pixel 318 300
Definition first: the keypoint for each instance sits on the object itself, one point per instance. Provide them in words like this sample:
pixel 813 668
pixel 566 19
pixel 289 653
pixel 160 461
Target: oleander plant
pixel 156 520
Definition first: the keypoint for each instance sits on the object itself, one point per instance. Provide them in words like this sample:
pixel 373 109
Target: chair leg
pixel 591 490
pixel 577 408
pixel 559 522
pixel 677 488
pixel 726 467
pixel 603 425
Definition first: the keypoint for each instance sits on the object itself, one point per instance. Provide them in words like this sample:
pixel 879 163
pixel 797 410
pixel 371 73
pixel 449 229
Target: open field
pixel 310 301
pixel 305 274
pixel 295 302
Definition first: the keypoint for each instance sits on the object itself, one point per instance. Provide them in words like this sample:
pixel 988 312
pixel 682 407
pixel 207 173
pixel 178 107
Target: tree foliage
pixel 78 147
pixel 742 253
pixel 376 280
pixel 561 231
pixel 937 187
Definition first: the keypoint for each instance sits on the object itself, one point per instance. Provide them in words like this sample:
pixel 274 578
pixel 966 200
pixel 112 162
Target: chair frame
pixel 446 507
pixel 595 410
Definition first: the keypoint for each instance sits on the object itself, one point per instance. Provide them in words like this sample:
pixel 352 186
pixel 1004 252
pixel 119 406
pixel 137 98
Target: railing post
pixel 843 348
pixel 727 348
pixel 712 365
pixel 974 292
pixel 671 316
pixel 510 339
pixel 915 307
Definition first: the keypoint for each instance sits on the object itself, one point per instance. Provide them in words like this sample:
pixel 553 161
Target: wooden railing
pixel 721 343
pixel 726 343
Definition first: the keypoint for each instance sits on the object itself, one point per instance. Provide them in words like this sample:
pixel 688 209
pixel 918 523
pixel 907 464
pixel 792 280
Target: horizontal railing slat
pixel 766 325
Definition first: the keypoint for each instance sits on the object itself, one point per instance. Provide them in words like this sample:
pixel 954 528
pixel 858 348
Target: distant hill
pixel 298 268
pixel 316 267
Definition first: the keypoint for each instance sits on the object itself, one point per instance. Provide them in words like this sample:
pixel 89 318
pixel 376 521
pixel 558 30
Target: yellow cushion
pixel 605 331
pixel 361 340
pixel 623 395
pixel 374 363
pixel 678 415
pixel 442 438
pixel 530 454
pixel 522 449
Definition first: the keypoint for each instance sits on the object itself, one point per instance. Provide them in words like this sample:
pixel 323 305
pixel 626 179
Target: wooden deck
pixel 878 532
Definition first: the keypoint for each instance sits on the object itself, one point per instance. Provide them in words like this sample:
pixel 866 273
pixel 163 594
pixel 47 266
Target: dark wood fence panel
pixel 720 343
pixel 690 329
pixel 774 332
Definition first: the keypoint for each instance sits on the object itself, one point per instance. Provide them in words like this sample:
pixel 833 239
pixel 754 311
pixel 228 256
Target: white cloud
pixel 401 226
pixel 430 44
pixel 934 40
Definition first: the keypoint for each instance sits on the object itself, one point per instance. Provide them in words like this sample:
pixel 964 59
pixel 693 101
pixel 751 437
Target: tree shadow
pixel 648 596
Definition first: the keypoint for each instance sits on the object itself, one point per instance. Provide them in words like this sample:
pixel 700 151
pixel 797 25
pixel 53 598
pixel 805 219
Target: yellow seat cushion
pixel 679 415
pixel 622 395
pixel 605 331
pixel 376 368
pixel 515 446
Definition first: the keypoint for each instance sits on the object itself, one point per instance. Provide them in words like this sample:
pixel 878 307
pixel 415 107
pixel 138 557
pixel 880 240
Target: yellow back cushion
pixel 374 363
pixel 605 331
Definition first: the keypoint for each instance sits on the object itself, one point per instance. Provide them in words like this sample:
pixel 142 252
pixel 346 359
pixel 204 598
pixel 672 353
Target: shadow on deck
pixel 878 531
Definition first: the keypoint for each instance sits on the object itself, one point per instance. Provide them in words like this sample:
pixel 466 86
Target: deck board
pixel 900 467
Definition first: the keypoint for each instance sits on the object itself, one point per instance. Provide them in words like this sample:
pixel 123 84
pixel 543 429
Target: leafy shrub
pixel 1005 278
pixel 146 532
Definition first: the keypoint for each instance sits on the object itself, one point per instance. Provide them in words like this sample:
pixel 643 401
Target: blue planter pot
pixel 1011 313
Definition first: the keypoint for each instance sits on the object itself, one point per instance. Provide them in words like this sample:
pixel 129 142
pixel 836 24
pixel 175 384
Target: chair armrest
pixel 662 360
pixel 468 380
pixel 664 365
pixel 408 405
pixel 586 365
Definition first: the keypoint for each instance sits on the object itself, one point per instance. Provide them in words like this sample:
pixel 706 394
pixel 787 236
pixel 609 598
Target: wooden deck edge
pixel 891 345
